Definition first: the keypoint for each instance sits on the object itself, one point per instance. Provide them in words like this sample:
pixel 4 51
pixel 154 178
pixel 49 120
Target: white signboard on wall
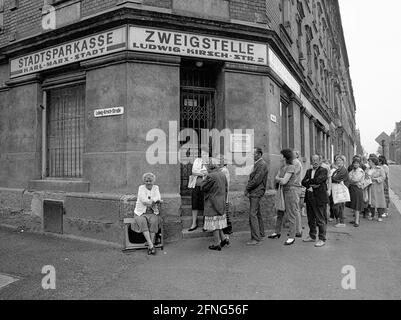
pixel 115 111
pixel 82 49
pixel 195 45
pixel 281 70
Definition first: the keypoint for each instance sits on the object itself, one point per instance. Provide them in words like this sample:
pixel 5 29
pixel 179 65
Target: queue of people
pixel 325 190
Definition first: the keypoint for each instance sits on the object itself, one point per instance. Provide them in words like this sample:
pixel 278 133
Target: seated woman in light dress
pixel 146 218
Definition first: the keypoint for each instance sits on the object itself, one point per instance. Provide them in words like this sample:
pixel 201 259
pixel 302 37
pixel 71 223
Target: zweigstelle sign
pixel 194 45
pixel 85 48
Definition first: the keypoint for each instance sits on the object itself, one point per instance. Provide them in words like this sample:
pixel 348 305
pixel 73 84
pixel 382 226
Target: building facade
pixel 88 88
pixel 395 144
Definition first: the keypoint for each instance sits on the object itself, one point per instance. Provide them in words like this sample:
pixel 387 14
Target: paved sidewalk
pixel 188 270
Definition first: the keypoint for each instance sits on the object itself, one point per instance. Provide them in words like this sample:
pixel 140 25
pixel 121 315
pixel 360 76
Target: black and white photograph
pixel 200 155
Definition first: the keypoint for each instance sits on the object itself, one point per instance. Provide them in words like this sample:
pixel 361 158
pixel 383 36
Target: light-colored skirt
pixel 213 223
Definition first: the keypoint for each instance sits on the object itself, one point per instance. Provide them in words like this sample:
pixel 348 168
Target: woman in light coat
pixel 377 197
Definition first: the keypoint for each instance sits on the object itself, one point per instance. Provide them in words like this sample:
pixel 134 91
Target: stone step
pixel 186 200
pixel 238 225
pixel 186 210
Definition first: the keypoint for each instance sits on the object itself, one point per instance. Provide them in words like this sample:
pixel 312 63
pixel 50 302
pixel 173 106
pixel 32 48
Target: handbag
pixel 279 199
pixel 366 182
pixel 340 193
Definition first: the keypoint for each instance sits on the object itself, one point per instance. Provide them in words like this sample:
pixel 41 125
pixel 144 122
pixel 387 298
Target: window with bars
pixel 65 131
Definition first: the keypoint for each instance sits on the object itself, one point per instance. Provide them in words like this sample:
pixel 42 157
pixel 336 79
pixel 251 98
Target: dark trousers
pixel 338 210
pixel 317 218
pixel 331 204
pixel 380 211
pixel 255 220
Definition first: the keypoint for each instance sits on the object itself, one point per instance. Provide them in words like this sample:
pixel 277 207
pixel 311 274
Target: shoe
pixel 356 225
pixel 320 243
pixel 380 220
pixel 253 243
pixel 384 215
pixel 214 247
pixel 152 251
pixel 225 242
pixel 340 225
pixel 370 218
pixel 275 236
pixel 289 242
pixel 298 235
pixel 309 239
pixel 192 229
pixel 331 219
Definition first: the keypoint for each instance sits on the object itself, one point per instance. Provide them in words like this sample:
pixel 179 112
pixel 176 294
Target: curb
pixel 395 200
pixel 65 236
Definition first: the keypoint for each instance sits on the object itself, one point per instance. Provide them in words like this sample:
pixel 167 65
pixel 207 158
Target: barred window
pixel 65 132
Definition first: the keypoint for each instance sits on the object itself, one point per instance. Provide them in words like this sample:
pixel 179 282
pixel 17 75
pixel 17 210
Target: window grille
pixel 65 132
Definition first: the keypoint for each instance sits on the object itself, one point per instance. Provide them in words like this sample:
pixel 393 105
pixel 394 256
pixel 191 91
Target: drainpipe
pixel 44 129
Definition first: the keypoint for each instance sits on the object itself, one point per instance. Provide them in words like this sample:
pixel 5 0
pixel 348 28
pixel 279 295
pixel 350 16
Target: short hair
pixel 343 158
pixel 356 160
pixel 375 160
pixel 149 175
pixel 259 150
pixel 288 155
pixel 382 159
pixel 205 149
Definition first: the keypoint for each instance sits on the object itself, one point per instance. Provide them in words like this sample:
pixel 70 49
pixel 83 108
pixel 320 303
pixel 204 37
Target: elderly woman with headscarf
pixel 214 187
pixel 377 197
pixel 340 175
pixel 146 218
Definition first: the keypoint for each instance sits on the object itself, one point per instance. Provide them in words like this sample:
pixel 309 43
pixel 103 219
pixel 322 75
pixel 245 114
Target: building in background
pixel 78 101
pixel 395 144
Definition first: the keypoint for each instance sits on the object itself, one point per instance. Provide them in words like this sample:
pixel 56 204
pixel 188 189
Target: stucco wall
pixel 20 143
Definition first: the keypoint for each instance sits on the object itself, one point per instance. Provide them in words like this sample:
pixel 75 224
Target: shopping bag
pixel 279 199
pixel 340 193
pixel 366 182
pixel 192 181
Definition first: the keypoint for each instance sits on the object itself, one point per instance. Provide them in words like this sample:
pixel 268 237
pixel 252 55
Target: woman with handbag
pixel 290 186
pixel 384 165
pixel 279 202
pixel 378 200
pixel 338 180
pixel 356 177
pixel 199 172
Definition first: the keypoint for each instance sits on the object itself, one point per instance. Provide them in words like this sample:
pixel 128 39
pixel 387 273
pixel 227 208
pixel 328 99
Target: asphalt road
pixel 188 270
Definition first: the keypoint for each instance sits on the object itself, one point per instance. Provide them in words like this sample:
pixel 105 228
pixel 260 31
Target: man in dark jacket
pixel 316 201
pixel 255 190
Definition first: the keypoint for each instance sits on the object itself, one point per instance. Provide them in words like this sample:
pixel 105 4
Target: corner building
pixel 82 84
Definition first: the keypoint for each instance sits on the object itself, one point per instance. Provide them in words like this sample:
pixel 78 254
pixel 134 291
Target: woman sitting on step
pixel 146 218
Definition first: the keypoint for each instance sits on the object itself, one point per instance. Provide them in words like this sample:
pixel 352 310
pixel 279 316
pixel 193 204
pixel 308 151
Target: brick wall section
pixel 25 20
pixel 158 3
pixel 89 7
pixel 246 10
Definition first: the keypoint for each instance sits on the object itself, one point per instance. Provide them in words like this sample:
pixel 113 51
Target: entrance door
pixel 197 112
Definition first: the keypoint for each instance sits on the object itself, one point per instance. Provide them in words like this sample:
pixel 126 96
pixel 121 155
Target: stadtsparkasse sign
pixel 78 50
pixel 195 45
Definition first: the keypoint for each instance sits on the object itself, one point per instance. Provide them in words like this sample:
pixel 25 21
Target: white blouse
pixel 145 198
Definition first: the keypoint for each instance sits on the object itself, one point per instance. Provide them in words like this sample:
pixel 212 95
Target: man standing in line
pixel 255 190
pixel 316 201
